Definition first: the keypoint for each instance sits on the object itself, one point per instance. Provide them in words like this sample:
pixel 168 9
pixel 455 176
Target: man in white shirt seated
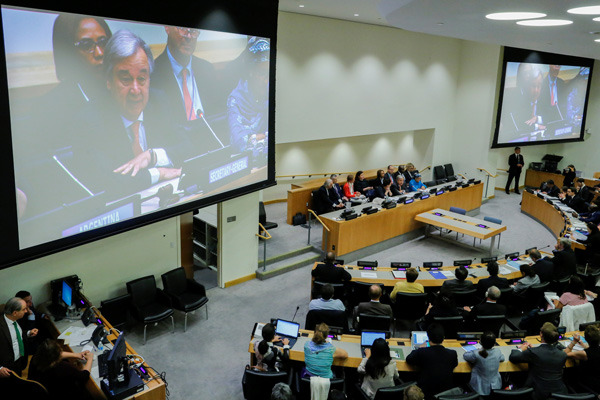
pixel 326 302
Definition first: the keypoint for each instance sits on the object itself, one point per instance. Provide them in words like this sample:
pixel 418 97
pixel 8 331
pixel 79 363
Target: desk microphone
pixel 297 308
pixel 201 116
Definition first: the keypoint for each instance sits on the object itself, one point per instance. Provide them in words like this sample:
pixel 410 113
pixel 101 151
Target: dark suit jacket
pixel 7 355
pixel 322 200
pixel 513 160
pixel 484 284
pixel 544 268
pixel 550 191
pixel 336 193
pixel 549 112
pixel 436 364
pixel 487 308
pixel 456 286
pixel 546 364
pixel 564 263
pixel 374 308
pixel 329 273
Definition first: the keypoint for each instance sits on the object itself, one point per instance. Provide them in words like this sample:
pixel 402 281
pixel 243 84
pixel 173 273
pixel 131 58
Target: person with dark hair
pixel 362 186
pixel 564 260
pixel 410 172
pixel 386 189
pixel 378 181
pixel 269 357
pixel 592 215
pixel 567 197
pixel 542 266
pixel 374 307
pixel 50 366
pixel 378 368
pixel 326 302
pixel 515 165
pixel 319 354
pixel 32 320
pixel 583 192
pixel 281 391
pixel 328 272
pixel 549 188
pixel 591 243
pixel 546 363
pixel 589 357
pixel 413 392
pixel 460 283
pixel 529 278
pixel 408 286
pixel 443 306
pixel 349 188
pixel 494 280
pixel 570 173
pixel 13 338
pixel 485 365
pixel 574 294
pixel 436 363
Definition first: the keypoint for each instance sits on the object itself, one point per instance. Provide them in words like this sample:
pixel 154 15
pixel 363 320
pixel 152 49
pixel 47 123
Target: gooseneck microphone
pixel 297 308
pixel 201 116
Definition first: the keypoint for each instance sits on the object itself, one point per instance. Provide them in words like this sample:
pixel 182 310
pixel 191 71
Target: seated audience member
pixel 546 363
pixel 584 192
pixel 542 266
pixel 325 302
pixel 443 306
pixel 416 185
pixel 409 285
pixel 12 350
pixel 529 278
pixel 386 189
pixel 410 172
pixel 574 294
pixel 593 213
pixel 33 319
pixel 460 283
pixel 564 261
pixel 391 174
pixel 337 194
pixel 51 367
pixel 485 365
pixel 489 306
pixel 413 392
pixel 319 354
pixel 323 203
pixel 589 358
pixel 349 191
pixel 570 175
pixel 378 181
pixel 436 363
pixel 401 184
pixel 378 368
pixel 592 245
pixel 567 196
pixel 550 188
pixel 329 273
pixel 362 186
pixel 374 307
pixel 269 357
pixel 494 280
pixel 281 391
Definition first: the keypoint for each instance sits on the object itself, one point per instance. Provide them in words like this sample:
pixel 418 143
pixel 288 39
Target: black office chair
pixel 466 297
pixel 388 393
pixel 410 306
pixel 467 396
pixel 149 304
pixel 429 183
pixel 117 311
pixel 360 292
pixel 449 172
pixel 506 295
pixel 525 393
pixel 262 217
pixel 541 318
pixel 368 322
pixel 451 325
pixel 439 173
pixel 26 389
pixel 336 320
pixel 303 387
pixel 258 385
pixel 365 263
pixel 492 323
pixel 573 396
pixel 558 286
pixel 585 325
pixel 533 296
pixel 339 291
pixel 186 295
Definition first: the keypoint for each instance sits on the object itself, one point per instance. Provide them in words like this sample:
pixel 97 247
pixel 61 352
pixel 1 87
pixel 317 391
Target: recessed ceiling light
pixel 356 15
pixel 597 40
pixel 514 16
pixel 301 6
pixel 545 22
pixel 597 19
pixel 590 10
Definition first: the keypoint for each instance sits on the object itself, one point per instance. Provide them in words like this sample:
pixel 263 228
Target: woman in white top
pixel 378 367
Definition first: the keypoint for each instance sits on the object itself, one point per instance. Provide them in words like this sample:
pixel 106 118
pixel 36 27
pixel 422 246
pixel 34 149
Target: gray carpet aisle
pixel 207 361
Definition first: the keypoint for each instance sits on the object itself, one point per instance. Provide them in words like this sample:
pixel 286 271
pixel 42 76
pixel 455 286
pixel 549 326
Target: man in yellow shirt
pixel 408 286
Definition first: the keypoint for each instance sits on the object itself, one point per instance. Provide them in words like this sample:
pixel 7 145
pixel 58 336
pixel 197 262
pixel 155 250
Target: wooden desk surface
pixel 347 236
pixel 536 178
pixel 351 343
pixel 460 223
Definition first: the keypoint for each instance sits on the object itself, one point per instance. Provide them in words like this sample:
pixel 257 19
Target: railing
pixel 311 212
pixel 326 174
pixel 264 237
pixel 487 179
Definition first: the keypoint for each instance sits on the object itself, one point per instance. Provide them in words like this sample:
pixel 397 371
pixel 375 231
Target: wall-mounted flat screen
pixel 543 98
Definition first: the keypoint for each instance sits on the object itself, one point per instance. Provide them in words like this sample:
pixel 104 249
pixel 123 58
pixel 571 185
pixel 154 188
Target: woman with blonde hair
pixel 319 354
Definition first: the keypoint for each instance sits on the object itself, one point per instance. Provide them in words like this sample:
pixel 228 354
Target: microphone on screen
pixel 200 115
pixel 297 308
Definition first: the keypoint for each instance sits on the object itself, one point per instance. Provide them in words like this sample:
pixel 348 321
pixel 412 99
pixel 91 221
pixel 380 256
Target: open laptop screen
pixel 287 328
pixel 367 338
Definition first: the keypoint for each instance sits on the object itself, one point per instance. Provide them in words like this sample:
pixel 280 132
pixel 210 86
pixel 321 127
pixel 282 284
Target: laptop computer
pixel 417 339
pixel 287 330
pixel 367 338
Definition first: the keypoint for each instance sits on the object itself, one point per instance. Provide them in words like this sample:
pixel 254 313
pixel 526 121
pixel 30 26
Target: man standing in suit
pixel 546 363
pixel 12 338
pixel 515 165
pixel 564 260
pixel 542 266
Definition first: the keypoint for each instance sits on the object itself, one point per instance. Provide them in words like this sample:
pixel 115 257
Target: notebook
pixel 287 330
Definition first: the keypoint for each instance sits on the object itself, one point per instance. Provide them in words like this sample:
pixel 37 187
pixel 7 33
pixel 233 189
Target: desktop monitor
pixel 67 294
pixel 117 360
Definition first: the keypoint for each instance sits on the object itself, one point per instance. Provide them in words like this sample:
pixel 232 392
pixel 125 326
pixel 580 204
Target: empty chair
pixel 493 221
pixel 451 325
pixel 303 387
pixel 262 217
pixel 449 172
pixel 374 322
pixel 466 297
pixel 117 311
pixel 439 173
pixel 258 385
pixel 560 285
pixel 542 317
pixel 410 306
pixel 149 304
pixel 533 297
pixel 458 210
pixel 515 394
pixel 492 323
pixel 388 393
pixel 186 295
pixel 429 183
pixel 336 320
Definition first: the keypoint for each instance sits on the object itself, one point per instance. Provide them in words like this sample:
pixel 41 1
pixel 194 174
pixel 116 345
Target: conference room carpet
pixel 207 361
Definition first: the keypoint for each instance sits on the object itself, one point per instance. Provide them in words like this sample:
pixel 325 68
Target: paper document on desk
pixel 399 274
pixel 74 335
pixel 550 296
pixel 471 347
pixel 448 274
pixel 505 271
pixel 372 275
pixel 397 352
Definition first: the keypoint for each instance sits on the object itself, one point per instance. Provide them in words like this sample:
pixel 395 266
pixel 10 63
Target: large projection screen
pixel 543 98
pixel 117 122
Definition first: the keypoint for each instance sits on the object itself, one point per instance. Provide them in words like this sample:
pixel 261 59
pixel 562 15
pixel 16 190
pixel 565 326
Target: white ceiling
pixel 465 19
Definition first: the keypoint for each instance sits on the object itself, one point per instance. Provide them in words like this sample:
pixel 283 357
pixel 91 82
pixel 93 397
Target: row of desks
pixel 535 179
pixel 402 347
